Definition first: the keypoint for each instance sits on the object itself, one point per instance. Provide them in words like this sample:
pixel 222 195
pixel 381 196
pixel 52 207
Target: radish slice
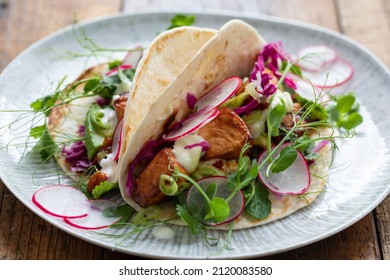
pixel 133 57
pixel 192 123
pixel 117 140
pixel 62 201
pixel 95 219
pixel 292 181
pixel 197 204
pixel 113 71
pixel 220 93
pixel 307 90
pixel 313 58
pixel 335 74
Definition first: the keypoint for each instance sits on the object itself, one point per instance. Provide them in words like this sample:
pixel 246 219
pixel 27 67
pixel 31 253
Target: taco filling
pixel 86 121
pixel 249 150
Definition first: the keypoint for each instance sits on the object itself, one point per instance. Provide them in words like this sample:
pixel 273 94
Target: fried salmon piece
pixel 147 186
pixel 226 134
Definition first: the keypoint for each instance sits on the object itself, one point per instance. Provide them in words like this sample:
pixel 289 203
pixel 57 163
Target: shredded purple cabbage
pixel 147 153
pixel 272 53
pixel 320 145
pixel 261 78
pixel 270 56
pixel 247 108
pixel 76 155
pixel 103 101
pixel 82 130
pixel 191 100
pixel 203 144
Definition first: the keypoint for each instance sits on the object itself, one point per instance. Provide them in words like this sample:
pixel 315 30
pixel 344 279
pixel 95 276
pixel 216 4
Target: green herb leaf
pixel 45 146
pixel 211 190
pixel 351 121
pixel 181 20
pixel 345 103
pixel 275 118
pixel 284 160
pixel 219 210
pixel 124 211
pixel 37 131
pixel 194 225
pixel 344 114
pixel 45 104
pixel 259 205
pixel 318 113
pixel 91 85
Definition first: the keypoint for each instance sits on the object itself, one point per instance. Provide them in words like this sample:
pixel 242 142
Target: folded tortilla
pixel 161 62
pixel 231 52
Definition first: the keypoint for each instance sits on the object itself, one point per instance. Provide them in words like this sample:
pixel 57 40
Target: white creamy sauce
pixel 163 232
pixel 283 98
pixel 109 167
pixel 188 158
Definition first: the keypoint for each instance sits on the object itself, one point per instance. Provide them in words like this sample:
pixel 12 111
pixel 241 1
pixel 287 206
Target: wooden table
pixel 23 235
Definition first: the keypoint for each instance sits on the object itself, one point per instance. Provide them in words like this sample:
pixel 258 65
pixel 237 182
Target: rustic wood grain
pixel 23 235
pixel 368 22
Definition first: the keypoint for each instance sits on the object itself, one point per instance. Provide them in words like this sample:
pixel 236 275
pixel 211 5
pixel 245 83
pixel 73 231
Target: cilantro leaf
pixel 46 147
pixel 181 20
pixel 194 225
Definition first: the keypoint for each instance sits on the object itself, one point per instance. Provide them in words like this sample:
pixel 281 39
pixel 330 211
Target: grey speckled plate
pixel 360 175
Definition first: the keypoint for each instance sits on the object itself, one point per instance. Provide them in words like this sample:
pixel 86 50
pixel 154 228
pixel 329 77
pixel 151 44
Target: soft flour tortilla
pixel 161 62
pixel 231 52
pixel 65 120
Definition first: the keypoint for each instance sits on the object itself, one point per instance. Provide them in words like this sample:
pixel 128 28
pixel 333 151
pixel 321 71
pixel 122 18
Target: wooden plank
pixel 355 243
pixel 368 22
pixel 325 16
pixel 23 235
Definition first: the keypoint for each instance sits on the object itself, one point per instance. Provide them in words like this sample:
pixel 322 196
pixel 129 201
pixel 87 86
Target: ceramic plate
pixel 359 178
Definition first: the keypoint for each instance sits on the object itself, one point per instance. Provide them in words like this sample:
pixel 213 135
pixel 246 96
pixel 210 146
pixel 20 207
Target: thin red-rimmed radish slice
pixel 334 74
pixel 294 180
pixel 220 93
pixel 117 140
pixel 307 90
pixel 198 206
pixel 133 57
pixel 115 70
pixel 96 218
pixel 62 201
pixel 313 58
pixel 191 123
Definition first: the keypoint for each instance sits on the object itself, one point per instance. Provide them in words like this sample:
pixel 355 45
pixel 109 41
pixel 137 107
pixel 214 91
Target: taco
pixel 217 142
pixel 86 123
